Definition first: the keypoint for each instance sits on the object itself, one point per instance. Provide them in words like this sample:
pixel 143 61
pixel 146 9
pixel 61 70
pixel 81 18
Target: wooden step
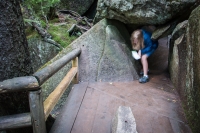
pixel 65 120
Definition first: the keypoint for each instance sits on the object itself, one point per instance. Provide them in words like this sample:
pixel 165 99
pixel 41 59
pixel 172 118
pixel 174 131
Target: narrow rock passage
pixel 158 66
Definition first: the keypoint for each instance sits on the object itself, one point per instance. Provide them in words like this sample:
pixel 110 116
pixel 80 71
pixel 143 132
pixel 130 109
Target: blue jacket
pixel 149 45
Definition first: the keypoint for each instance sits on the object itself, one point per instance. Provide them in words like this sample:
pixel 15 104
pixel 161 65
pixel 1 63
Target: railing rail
pixel 15 121
pixel 48 71
pixel 39 110
pixel 19 84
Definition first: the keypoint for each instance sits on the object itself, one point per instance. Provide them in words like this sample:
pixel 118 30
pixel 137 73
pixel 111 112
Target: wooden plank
pixel 179 127
pixel 53 98
pixel 147 97
pixel 49 70
pixel 86 115
pixel 75 64
pixel 107 107
pixel 15 121
pixel 65 120
pixel 147 121
pixel 96 112
pixel 37 111
pixel 19 84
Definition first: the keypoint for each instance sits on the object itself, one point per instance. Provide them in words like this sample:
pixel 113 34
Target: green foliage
pixel 29 21
pixel 43 23
pixel 40 5
pixel 38 10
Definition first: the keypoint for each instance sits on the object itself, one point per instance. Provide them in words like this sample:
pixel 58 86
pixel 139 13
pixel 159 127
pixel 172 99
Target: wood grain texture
pixel 75 64
pixel 37 111
pixel 15 121
pixel 70 110
pixel 53 98
pixel 51 69
pixel 19 84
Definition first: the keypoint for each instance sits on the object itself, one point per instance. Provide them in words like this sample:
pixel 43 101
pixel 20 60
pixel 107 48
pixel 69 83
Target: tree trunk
pixel 14 55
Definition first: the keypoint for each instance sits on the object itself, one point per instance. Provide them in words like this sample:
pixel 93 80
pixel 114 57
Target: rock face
pixel 193 66
pixel 39 52
pixel 184 66
pixel 142 12
pixel 79 6
pixel 177 56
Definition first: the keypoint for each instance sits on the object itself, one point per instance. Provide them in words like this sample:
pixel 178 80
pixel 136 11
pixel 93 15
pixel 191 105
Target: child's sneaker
pixel 141 73
pixel 144 79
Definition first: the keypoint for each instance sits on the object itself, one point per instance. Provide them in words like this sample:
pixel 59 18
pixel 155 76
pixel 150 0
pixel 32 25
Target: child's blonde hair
pixel 137 34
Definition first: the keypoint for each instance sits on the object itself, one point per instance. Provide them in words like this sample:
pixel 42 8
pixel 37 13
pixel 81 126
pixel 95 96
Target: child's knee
pixel 144 57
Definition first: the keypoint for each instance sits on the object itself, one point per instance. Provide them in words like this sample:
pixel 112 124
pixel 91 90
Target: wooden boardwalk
pixel 91 107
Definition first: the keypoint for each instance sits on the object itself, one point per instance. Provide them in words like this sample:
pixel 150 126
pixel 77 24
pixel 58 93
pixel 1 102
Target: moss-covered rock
pixel 184 66
pixel 193 69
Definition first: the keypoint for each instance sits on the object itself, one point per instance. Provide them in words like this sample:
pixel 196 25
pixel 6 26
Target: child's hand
pixel 139 53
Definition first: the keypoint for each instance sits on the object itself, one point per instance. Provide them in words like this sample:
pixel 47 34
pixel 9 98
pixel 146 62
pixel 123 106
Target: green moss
pixel 57 30
pixel 191 109
pixel 43 23
pixel 54 20
pixel 192 118
pixel 60 34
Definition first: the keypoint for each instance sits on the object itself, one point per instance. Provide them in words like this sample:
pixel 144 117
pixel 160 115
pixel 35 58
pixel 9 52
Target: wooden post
pixel 37 111
pixel 75 64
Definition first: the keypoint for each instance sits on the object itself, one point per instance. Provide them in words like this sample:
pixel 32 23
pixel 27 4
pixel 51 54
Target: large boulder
pixel 177 56
pixel 185 67
pixel 193 68
pixel 105 54
pixel 143 12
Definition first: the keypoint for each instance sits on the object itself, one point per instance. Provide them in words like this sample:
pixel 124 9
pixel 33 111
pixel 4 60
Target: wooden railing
pixel 39 110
